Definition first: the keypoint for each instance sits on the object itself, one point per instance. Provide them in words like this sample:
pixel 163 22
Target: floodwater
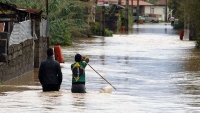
pixel 152 70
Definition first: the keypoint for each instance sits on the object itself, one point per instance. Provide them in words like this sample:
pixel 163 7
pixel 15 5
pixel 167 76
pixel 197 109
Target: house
pixel 116 5
pixel 146 8
pixel 142 5
pixel 158 9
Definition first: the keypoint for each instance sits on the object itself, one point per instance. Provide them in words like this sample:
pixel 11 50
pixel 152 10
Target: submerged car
pixel 151 19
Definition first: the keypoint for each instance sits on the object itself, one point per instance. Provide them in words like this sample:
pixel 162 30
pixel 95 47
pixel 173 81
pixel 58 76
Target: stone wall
pixel 20 59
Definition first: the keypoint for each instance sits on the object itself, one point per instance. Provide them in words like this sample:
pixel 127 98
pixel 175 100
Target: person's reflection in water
pixel 126 59
pixel 79 100
pixel 50 100
pixel 102 57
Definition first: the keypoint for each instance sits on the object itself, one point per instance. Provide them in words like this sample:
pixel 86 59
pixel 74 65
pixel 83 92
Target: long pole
pixel 126 25
pixel 102 77
pixel 47 27
pixel 119 2
pixel 138 6
pixel 166 12
pixel 103 20
pixel 132 7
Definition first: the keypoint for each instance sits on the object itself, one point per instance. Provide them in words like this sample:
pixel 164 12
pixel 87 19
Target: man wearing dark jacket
pixel 50 75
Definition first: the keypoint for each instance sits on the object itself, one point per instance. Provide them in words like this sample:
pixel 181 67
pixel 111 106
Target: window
pixel 163 10
pixel 152 10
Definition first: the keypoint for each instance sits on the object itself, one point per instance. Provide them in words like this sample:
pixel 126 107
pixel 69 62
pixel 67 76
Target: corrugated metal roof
pixel 33 11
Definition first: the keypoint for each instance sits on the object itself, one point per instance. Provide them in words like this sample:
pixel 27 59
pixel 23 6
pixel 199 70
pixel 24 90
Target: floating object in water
pixel 61 66
pixel 106 89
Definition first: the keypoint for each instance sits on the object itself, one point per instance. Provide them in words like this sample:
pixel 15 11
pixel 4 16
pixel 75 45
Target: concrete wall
pixel 40 47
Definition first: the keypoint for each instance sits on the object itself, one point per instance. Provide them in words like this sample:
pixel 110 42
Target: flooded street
pixel 151 68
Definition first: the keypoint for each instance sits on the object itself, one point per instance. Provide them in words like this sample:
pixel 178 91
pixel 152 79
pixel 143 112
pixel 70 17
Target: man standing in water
pixel 50 75
pixel 78 74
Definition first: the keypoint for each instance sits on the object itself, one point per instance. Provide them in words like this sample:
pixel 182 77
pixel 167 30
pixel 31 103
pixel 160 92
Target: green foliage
pixel 95 29
pixel 119 22
pixel 64 40
pixel 73 18
pixel 190 11
pixel 60 35
pixel 131 19
pixel 108 10
pixel 174 5
pixel 68 18
pixel 123 18
pixel 34 4
pixel 179 25
pixel 108 32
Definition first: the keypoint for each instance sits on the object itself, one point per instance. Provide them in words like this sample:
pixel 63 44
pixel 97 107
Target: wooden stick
pixel 102 76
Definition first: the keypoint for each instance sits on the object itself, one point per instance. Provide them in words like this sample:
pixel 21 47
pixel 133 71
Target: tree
pixel 191 11
pixel 174 5
pixel 68 18
pixel 188 11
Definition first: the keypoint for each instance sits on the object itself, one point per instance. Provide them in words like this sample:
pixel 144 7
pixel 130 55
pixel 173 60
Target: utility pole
pixel 126 23
pixel 47 7
pixel 119 2
pixel 137 11
pixel 47 26
pixel 131 7
pixel 103 21
pixel 166 11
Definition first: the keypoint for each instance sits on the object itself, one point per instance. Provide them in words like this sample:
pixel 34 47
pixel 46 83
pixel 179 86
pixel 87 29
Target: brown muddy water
pixel 151 68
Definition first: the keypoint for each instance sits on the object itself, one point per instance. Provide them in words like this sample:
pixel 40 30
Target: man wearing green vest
pixel 78 74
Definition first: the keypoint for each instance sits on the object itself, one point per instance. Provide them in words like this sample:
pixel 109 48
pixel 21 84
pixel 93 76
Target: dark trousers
pixel 51 87
pixel 78 88
pixel 172 23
